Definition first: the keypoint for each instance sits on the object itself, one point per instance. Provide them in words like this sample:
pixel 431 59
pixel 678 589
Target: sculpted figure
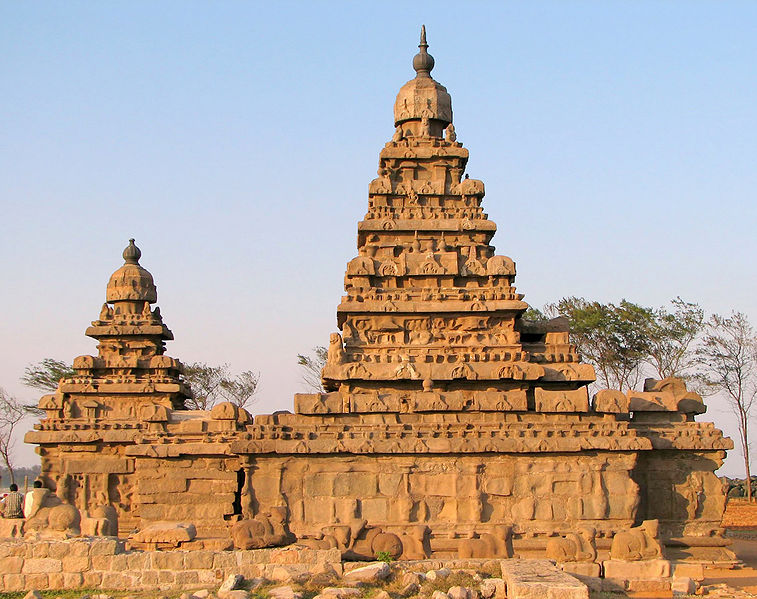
pixel 336 349
pixel 55 517
pixel 636 544
pixel 397 137
pixel 573 547
pixel 269 530
pixel 495 544
pixel 415 543
pixel 357 541
pixel 361 266
pixel 101 521
pixel 686 401
pixel 451 135
pixel 425 127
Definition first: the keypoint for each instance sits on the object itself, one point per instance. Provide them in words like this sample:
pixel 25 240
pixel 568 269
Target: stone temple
pixel 450 426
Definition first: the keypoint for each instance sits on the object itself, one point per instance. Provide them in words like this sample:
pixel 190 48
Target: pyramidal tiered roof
pixel 429 304
pixel 131 363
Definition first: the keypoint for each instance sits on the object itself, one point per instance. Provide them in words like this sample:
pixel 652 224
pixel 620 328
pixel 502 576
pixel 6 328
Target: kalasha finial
pixel 132 253
pixel 423 62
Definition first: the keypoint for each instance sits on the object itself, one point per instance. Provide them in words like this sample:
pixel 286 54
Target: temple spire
pixel 132 253
pixel 423 62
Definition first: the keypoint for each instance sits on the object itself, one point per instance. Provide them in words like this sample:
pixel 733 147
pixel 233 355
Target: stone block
pixel 59 550
pixel 187 578
pixel 55 580
pixel 581 568
pixel 75 564
pixel 101 563
pixel 79 548
pixel 147 486
pixel 11 565
pixel 641 570
pixel 693 571
pixel 540 579
pixel 166 576
pixel 167 560
pixel 120 563
pixel 250 570
pixel 493 588
pixel 658 585
pixel 40 549
pixel 92 580
pixel 104 547
pixel 137 561
pixel 149 579
pixel 225 559
pixel 43 565
pixel 102 465
pixel 73 580
pixel 198 560
pixel 13 582
pixel 371 574
pixel 114 580
pixel 209 577
pixel 36 581
pixel 683 586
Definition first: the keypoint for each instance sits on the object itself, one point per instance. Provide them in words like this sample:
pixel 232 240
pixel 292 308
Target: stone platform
pixel 107 564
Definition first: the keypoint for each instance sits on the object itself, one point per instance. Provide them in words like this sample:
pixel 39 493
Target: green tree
pixel 534 315
pixel 671 339
pixel 312 365
pixel 727 358
pixel 214 384
pixel 44 375
pixel 613 338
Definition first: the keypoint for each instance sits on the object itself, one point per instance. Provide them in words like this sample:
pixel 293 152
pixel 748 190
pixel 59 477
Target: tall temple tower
pixel 429 305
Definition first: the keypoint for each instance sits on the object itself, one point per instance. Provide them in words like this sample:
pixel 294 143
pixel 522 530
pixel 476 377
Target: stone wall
pixel 107 564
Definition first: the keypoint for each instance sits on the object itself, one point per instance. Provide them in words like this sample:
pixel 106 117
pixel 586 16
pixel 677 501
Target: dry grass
pixel 456 579
pixel 740 514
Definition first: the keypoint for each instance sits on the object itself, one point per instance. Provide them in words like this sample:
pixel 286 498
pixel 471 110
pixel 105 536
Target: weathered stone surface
pixel 493 588
pixel 372 573
pixel 232 583
pixel 458 592
pixel 636 570
pixel 683 586
pixel 340 592
pixel 169 533
pixel 537 579
pixel 284 592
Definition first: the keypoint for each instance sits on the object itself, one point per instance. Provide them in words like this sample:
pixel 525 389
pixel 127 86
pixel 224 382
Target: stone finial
pixel 422 96
pixel 131 282
pixel 423 62
pixel 132 253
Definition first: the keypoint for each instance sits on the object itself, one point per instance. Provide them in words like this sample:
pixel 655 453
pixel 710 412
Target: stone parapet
pixel 106 563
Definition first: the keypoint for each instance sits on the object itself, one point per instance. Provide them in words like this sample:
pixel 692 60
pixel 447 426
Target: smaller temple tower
pixel 128 385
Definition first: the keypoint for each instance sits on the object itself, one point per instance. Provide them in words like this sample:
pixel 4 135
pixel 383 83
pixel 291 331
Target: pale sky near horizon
pixel 236 140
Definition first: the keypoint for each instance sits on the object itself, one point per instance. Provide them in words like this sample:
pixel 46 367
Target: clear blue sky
pixel 236 140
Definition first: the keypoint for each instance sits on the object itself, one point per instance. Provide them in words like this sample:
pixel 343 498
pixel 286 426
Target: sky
pixel 236 140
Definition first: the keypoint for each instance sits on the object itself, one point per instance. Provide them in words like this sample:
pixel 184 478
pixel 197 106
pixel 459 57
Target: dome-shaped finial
pixel 423 62
pixel 132 253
